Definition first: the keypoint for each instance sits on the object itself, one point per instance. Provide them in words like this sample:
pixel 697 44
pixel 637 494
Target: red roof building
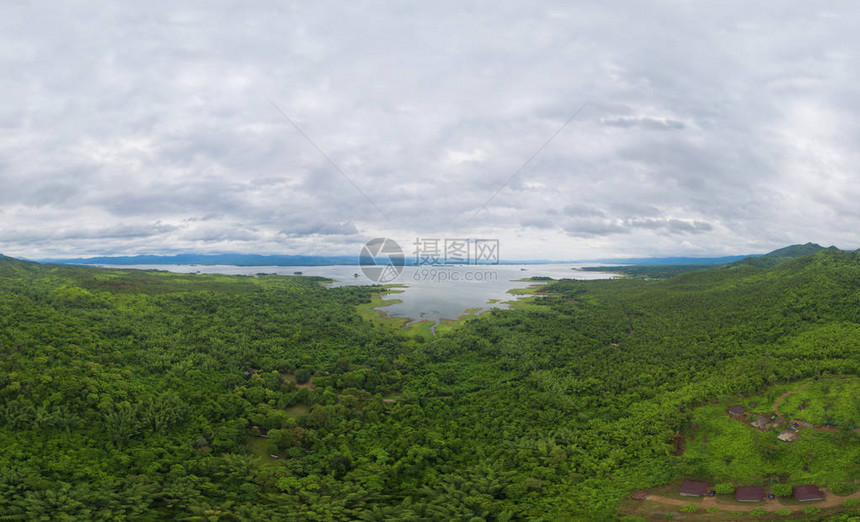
pixel 807 493
pixel 749 494
pixel 693 488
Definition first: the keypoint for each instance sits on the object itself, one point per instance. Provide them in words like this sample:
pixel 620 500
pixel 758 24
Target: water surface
pixel 430 293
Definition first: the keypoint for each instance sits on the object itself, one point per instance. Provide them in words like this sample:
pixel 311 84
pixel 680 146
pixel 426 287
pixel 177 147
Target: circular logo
pixel 381 260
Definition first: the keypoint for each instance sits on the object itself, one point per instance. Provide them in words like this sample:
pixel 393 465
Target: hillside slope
pixel 782 255
pixel 144 395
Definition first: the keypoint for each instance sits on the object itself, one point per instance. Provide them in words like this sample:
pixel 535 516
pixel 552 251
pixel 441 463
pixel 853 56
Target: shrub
pixel 783 512
pixel 781 490
pixel 713 509
pixel 842 488
pixel 757 512
pixel 810 510
pixel 689 508
pixel 303 375
pixel 852 502
pixel 724 488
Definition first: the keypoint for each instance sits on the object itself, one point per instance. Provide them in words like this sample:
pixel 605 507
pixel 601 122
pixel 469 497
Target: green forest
pixel 132 395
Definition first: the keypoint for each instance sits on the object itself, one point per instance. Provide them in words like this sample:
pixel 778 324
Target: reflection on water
pixel 431 293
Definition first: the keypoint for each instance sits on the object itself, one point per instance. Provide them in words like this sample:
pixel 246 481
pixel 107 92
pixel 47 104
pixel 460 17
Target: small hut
pixel 736 411
pixel 761 422
pixel 807 493
pixel 749 494
pixel 787 436
pixel 693 488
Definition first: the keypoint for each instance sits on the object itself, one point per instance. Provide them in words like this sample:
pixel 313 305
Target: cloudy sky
pixel 708 128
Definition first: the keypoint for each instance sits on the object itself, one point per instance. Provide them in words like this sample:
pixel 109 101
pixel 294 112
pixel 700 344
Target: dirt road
pixel 830 500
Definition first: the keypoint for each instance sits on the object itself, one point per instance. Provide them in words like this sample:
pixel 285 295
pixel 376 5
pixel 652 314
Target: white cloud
pixel 457 157
pixel 148 127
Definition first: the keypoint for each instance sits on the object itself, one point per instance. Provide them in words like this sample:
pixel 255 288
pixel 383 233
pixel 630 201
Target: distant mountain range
pixel 763 261
pixel 673 260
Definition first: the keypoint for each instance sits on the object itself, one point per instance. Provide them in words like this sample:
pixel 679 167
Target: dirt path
pixel 309 385
pixel 782 397
pixel 830 500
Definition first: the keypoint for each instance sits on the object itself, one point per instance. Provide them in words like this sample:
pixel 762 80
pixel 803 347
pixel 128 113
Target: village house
pixel 807 493
pixel 693 488
pixel 749 494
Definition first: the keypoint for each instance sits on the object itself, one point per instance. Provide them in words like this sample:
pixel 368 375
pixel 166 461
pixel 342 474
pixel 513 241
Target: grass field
pixel 529 290
pixel 259 452
pixel 370 310
pixel 297 410
pixel 826 401
pixel 724 449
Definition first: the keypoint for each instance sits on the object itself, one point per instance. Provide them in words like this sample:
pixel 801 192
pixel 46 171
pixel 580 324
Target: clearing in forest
pixel 726 450
pixel 827 402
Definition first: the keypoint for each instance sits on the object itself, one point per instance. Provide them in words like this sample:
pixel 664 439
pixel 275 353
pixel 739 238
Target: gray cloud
pixel 674 226
pixel 590 228
pixel 644 122
pixel 322 229
pixel 62 232
pixel 579 210
pixel 585 227
pixel 148 128
pixel 539 223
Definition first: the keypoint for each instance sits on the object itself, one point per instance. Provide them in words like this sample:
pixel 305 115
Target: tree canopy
pixel 129 394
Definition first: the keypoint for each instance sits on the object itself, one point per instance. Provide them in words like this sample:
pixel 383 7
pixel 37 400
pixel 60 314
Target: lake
pixel 430 293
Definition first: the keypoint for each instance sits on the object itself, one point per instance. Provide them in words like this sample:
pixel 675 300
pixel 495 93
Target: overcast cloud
pixel 147 127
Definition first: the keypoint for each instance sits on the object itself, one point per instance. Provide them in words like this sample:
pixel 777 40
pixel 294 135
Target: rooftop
pixel 749 494
pixel 694 488
pixel 761 422
pixel 787 436
pixel 807 493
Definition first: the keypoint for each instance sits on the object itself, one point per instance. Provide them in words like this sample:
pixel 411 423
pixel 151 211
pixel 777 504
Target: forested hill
pixel 781 255
pixel 12 260
pixel 156 396
pixel 11 268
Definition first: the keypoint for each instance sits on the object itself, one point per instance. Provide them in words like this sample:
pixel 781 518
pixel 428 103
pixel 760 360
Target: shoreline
pixel 375 310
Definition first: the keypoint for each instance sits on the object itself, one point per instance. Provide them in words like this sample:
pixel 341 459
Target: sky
pixel 703 128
